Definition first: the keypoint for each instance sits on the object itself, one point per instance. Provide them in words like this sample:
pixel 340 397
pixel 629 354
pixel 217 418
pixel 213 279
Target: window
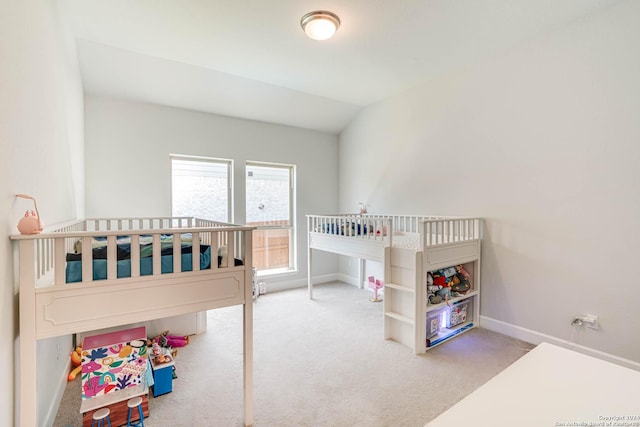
pixel 201 187
pixel 270 208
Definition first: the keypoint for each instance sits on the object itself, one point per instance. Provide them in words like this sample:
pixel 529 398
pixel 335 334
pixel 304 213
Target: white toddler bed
pixel 408 247
pixel 99 273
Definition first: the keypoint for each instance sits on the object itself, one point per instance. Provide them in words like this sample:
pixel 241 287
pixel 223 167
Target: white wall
pixel 543 143
pixel 128 169
pixel 41 151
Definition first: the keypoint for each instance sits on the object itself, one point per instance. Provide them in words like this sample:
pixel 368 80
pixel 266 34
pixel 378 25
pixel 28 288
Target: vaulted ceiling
pixel 250 59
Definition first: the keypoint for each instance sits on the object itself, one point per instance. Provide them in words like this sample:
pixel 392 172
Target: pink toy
pixel 384 231
pixel 173 341
pixel 464 273
pixel 155 349
pixel 375 284
pixel 31 222
pixel 177 340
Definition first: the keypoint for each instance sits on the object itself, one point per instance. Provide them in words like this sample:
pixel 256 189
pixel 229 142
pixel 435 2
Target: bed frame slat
pixel 231 250
pixel 213 244
pixel 177 252
pixel 195 254
pixel 157 261
pixel 112 257
pixel 59 257
pixel 135 255
pixel 87 259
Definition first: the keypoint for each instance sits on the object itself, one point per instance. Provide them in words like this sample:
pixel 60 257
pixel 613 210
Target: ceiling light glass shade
pixel 320 24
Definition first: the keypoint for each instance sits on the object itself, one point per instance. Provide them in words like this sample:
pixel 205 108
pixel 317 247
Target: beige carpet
pixel 318 363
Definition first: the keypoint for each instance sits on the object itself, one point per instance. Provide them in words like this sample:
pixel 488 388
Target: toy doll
pixel 168 340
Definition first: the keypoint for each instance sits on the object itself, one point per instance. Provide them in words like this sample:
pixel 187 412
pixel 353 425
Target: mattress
pixel 74 267
pixel 123 255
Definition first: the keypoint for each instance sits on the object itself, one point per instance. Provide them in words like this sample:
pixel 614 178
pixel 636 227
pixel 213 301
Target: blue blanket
pixel 74 268
pixel 356 229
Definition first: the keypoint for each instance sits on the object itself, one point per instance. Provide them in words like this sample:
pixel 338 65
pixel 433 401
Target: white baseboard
pixel 534 337
pixel 351 280
pixel 347 279
pixel 275 285
pixel 54 404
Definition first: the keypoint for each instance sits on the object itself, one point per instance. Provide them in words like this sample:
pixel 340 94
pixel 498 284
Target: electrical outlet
pixel 590 321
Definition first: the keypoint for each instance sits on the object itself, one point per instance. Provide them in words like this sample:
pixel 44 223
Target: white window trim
pixel 228 162
pixel 293 250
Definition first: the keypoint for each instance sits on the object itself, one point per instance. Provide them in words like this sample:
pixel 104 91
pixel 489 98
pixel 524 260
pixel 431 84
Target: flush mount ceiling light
pixel 320 24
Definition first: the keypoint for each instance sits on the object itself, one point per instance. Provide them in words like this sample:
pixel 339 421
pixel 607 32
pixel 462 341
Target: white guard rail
pixel 52 246
pixel 370 228
pixel 436 230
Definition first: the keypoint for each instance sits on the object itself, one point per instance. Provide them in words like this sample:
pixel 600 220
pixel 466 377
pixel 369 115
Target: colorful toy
pixel 376 285
pixel 464 284
pixel 155 349
pixel 463 272
pixel 74 373
pixel 168 340
pixel 382 232
pixel 76 356
pixel 163 358
pixel 76 361
pixel 177 340
pixel 446 283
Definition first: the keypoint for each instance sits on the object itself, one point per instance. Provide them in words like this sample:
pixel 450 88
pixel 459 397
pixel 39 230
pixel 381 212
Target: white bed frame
pixel 439 242
pixel 49 307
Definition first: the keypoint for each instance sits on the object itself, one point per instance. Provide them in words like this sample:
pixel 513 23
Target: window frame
pixel 230 184
pixel 292 227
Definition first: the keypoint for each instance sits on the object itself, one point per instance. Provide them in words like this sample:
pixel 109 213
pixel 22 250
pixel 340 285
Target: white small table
pixel 551 387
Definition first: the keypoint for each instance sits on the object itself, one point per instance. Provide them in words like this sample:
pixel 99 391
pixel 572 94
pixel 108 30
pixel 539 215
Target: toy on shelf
pixel 166 341
pixel 446 283
pixel 376 285
pixel 158 353
pixel 465 281
pixel 156 350
pixel 162 358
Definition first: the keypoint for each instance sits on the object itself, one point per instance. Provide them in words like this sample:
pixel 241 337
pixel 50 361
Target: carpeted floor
pixel 317 363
